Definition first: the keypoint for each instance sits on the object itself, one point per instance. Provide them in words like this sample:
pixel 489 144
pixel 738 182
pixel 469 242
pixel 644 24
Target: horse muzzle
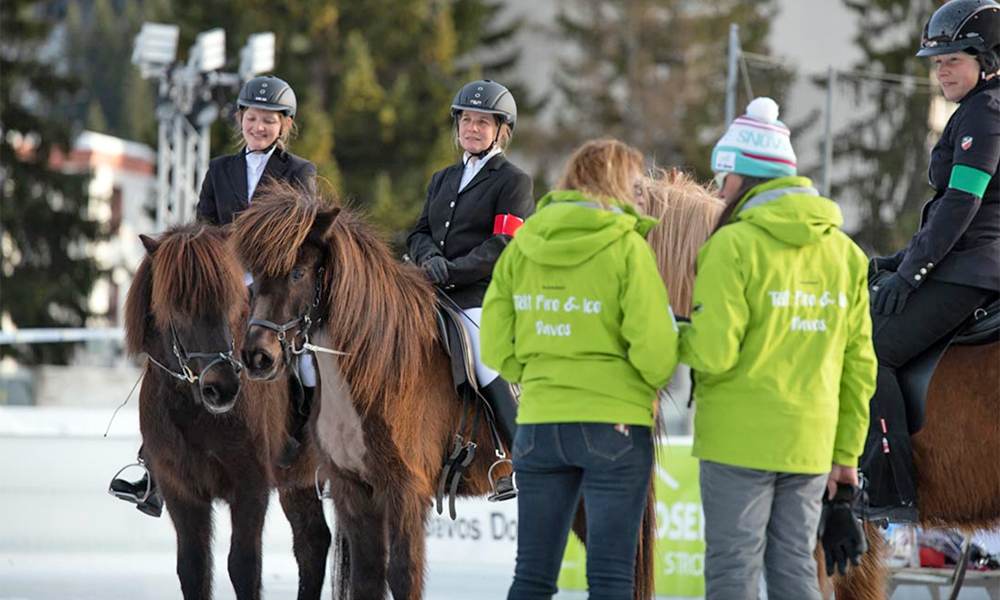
pixel 260 364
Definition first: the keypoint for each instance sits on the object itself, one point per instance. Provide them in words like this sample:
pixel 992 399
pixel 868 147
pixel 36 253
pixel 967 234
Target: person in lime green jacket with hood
pixel 780 341
pixel 578 315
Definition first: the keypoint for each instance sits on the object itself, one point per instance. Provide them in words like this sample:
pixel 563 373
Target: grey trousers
pixel 760 519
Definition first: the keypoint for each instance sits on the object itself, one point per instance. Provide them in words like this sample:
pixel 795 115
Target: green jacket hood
pixel 791 210
pixel 569 228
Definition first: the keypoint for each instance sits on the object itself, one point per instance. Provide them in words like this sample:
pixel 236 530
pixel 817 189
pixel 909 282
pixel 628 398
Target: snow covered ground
pixel 63 538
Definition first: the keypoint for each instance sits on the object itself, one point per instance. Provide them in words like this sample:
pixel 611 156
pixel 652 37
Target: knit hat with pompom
pixel 756 144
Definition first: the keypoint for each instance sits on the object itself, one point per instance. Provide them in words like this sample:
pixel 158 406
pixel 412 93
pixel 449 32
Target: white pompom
pixel 763 109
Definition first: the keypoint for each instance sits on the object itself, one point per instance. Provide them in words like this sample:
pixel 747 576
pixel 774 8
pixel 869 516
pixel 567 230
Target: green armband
pixel 968 179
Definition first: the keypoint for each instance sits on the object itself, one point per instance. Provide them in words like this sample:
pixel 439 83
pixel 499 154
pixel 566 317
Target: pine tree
pixel 652 73
pixel 47 272
pixel 888 145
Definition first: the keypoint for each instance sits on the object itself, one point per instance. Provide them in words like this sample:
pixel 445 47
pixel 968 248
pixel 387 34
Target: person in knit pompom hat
pixel 780 344
pixel 756 144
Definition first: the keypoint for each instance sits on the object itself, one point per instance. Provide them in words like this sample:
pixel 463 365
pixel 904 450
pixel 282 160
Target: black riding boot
pixel 501 398
pixel 144 493
pixel 888 459
pixel 299 410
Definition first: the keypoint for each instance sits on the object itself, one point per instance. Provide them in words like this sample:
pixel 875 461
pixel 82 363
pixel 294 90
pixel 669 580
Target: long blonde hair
pixel 688 214
pixel 603 170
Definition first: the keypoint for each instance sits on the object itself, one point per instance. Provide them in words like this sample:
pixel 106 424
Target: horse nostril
pixel 210 393
pixel 261 361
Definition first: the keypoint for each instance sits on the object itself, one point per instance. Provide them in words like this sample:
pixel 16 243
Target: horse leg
pixel 870 580
pixel 310 538
pixel 193 524
pixel 361 517
pixel 248 512
pixel 406 546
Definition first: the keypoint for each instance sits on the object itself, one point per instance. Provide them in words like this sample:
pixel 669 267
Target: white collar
pixel 482 161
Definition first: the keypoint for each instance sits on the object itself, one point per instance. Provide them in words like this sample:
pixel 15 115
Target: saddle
pixel 457 344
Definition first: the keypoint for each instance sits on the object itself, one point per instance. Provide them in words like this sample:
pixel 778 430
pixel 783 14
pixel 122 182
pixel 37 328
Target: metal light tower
pixel 185 108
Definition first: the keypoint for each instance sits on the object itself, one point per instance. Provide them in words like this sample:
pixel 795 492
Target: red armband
pixel 506 224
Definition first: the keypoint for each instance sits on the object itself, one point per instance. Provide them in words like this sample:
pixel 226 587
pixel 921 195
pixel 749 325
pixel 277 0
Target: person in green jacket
pixel 780 340
pixel 578 315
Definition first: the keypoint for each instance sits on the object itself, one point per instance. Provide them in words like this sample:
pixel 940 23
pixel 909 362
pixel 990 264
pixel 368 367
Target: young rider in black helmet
pixel 952 265
pixel 472 210
pixel 266 113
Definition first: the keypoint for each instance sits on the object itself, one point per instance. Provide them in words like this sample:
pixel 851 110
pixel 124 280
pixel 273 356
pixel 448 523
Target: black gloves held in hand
pixel 436 269
pixel 840 531
pixel 889 295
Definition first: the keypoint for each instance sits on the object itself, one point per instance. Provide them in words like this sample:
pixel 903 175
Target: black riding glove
pixel 840 531
pixel 436 269
pixel 889 295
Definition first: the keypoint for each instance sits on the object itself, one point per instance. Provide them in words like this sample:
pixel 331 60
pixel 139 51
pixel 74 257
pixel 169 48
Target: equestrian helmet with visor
pixel 268 93
pixel 486 96
pixel 971 26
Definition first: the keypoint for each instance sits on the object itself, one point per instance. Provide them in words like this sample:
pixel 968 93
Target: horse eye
pixel 298 274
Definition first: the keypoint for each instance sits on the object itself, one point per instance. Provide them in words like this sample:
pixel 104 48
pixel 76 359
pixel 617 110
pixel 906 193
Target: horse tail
pixel 340 568
pixel 645 559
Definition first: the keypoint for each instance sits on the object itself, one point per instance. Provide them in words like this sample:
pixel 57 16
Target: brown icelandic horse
pixel 956 460
pixel 205 435
pixel 955 454
pixel 388 411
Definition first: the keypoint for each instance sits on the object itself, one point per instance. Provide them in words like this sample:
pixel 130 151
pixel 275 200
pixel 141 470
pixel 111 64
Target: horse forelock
pixel 270 232
pixel 195 270
pixel 380 312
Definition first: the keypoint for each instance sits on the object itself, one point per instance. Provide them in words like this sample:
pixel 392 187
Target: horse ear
pixel 324 222
pixel 151 244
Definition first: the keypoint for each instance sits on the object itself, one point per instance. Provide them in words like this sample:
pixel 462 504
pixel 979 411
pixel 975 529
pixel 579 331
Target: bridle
pixel 184 357
pixel 299 326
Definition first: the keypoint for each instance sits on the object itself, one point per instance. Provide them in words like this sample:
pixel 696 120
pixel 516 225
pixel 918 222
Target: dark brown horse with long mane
pixel 206 435
pixel 388 411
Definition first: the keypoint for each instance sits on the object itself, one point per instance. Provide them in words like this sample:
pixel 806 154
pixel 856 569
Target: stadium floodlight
pixel 209 50
pixel 155 46
pixel 257 56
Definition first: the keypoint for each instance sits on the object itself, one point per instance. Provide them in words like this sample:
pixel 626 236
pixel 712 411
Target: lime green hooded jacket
pixel 578 315
pixel 780 337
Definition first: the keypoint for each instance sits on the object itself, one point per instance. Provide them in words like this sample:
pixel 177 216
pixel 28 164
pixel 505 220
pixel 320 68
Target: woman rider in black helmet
pixel 266 117
pixel 472 210
pixel 952 265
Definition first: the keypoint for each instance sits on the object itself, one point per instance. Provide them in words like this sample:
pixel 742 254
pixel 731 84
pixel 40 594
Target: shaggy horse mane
pixel 378 310
pixel 192 266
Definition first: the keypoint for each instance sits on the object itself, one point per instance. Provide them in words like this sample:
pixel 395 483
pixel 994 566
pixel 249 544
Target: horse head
pixel 283 240
pixel 186 300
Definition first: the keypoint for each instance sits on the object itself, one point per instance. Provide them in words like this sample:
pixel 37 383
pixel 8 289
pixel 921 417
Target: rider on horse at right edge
pixel 951 267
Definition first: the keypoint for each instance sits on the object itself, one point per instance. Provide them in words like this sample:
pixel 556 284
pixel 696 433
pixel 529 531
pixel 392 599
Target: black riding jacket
pixel 460 225
pixel 959 236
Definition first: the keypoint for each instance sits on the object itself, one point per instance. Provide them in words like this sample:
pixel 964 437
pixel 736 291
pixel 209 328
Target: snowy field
pixel 62 537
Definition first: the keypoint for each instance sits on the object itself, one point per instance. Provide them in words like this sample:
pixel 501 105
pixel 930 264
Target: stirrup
pixel 505 486
pixel 129 496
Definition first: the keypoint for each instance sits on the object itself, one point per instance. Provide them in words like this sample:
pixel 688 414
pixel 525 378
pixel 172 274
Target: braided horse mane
pixel 376 309
pixel 194 266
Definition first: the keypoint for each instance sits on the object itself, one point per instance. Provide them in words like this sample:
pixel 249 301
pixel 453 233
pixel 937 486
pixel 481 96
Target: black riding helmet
pixel 268 93
pixel 971 26
pixel 488 97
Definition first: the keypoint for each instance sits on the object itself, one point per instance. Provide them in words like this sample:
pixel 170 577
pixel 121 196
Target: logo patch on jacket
pixel 966 142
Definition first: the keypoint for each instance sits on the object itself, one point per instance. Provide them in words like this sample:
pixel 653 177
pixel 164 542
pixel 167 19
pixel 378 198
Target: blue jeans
pixel 556 463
